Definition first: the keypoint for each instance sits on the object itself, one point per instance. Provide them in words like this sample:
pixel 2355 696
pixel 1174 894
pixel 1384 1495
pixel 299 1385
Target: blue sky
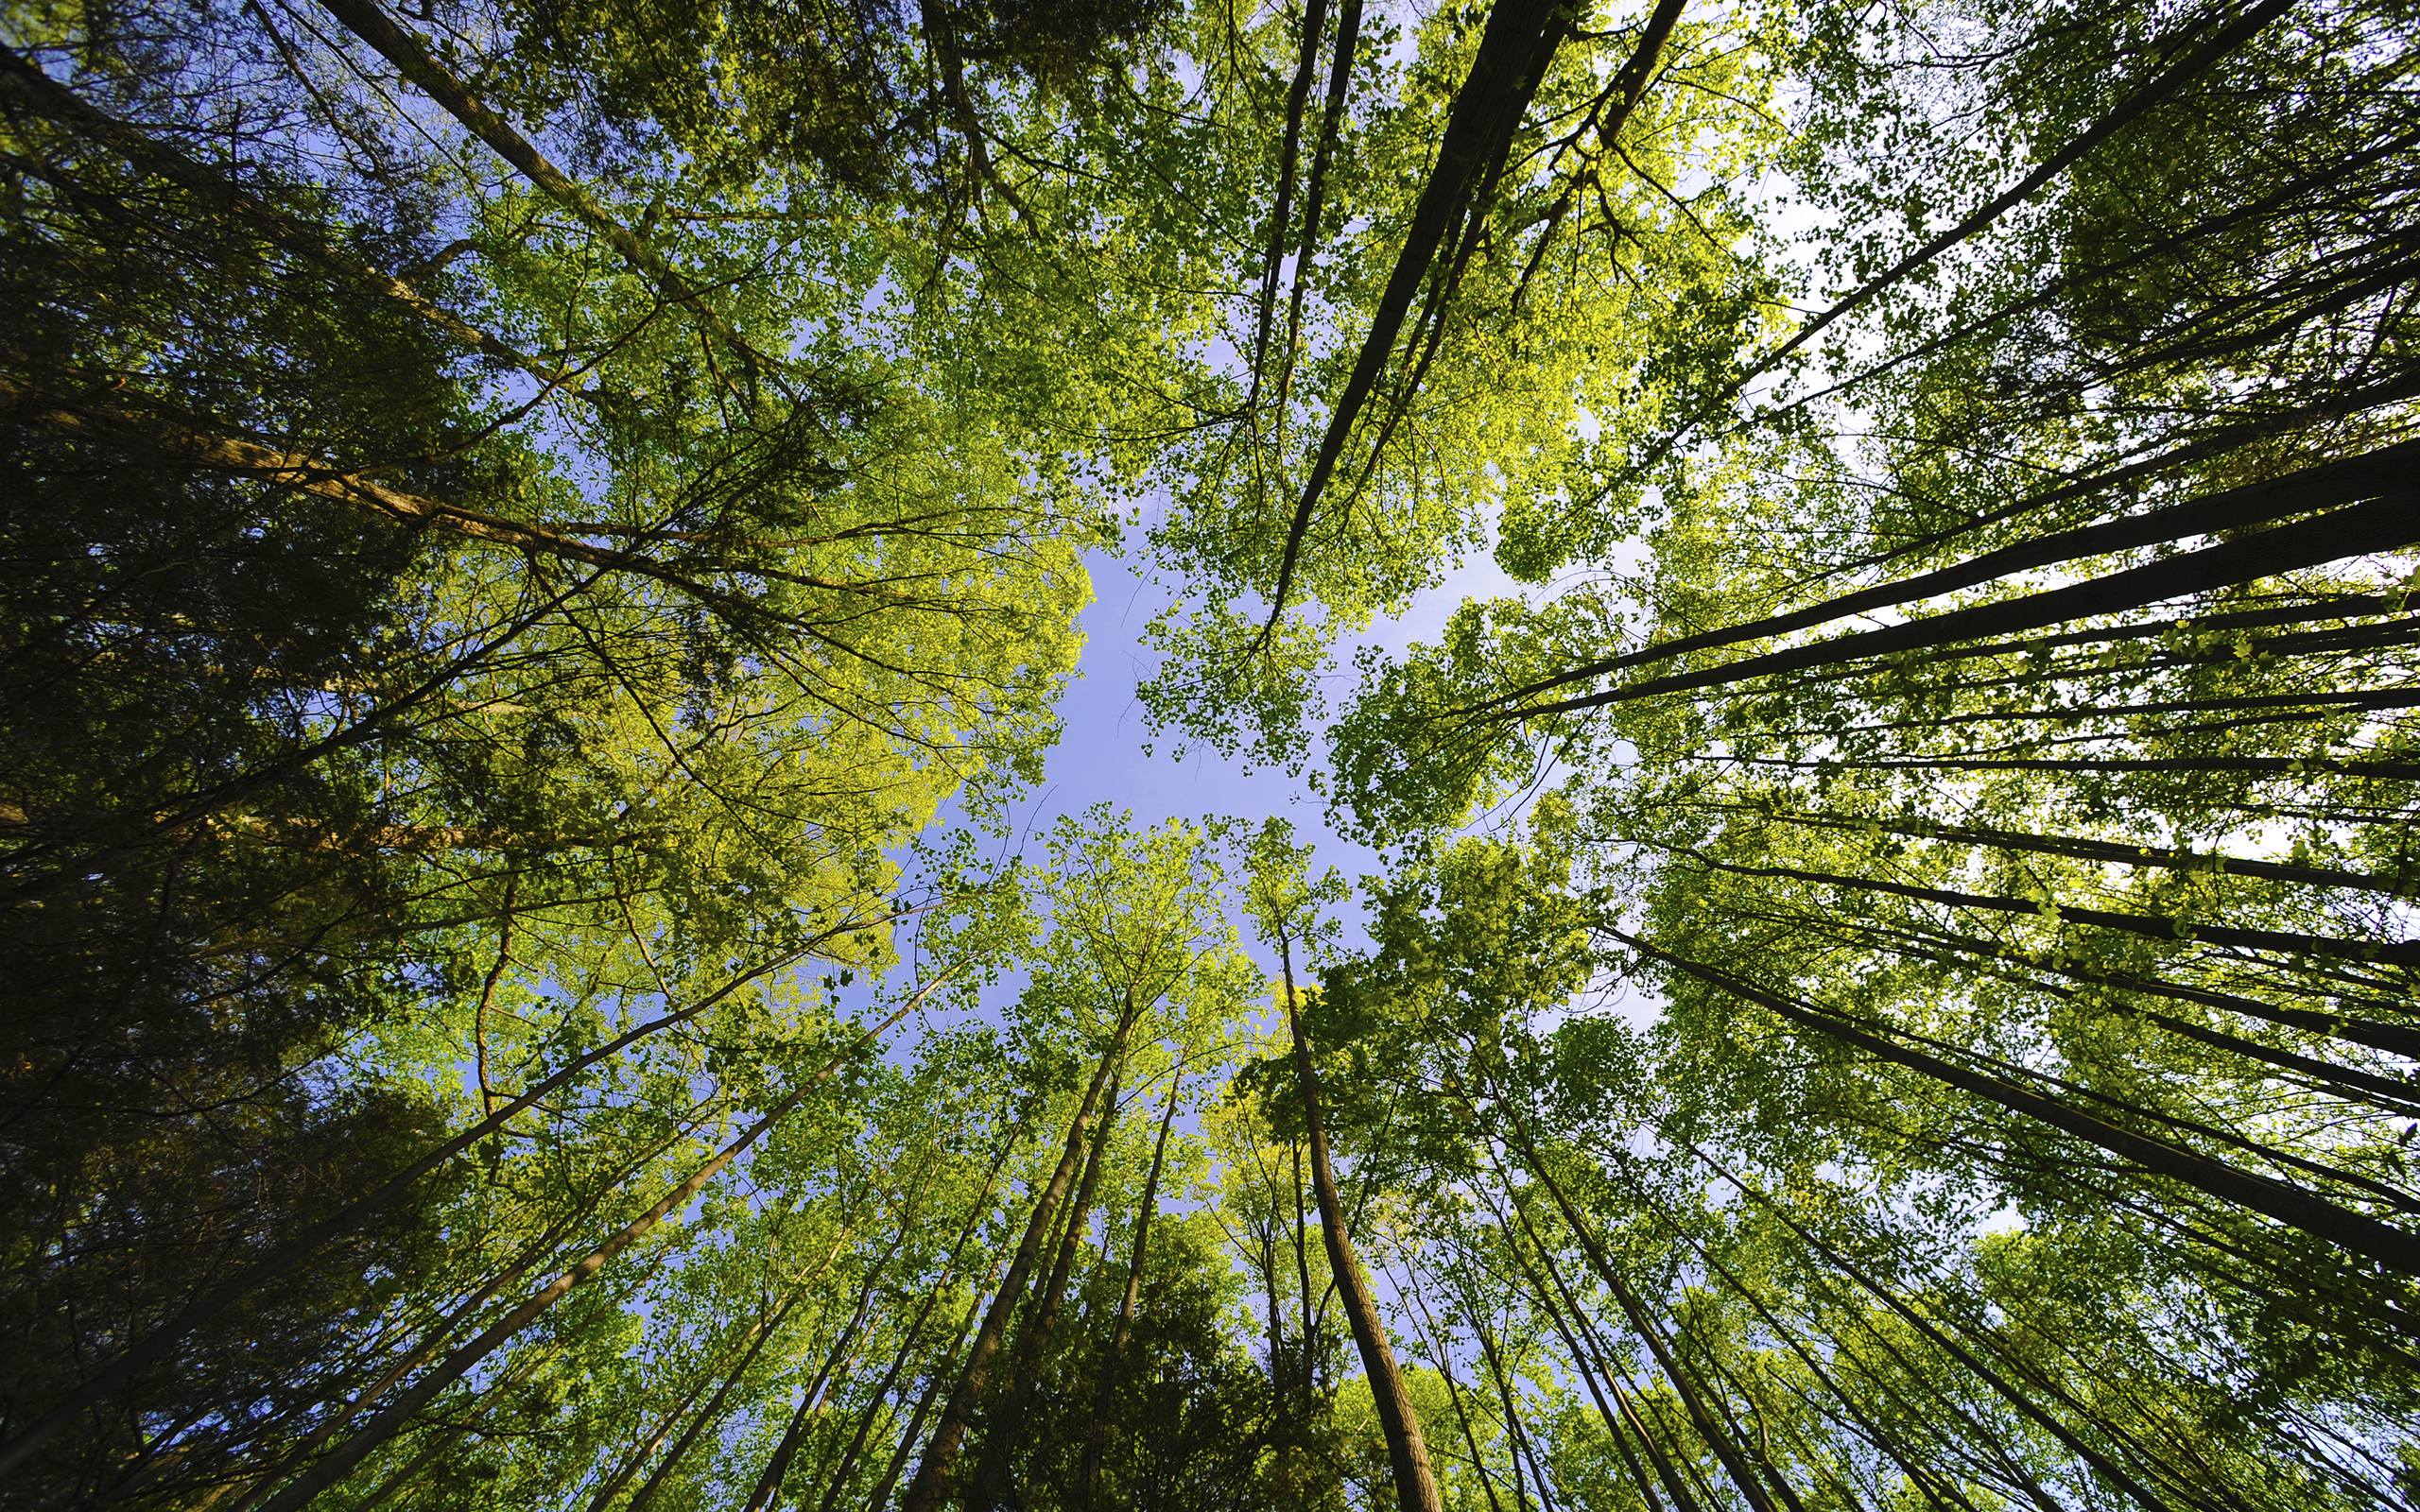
pixel 1101 757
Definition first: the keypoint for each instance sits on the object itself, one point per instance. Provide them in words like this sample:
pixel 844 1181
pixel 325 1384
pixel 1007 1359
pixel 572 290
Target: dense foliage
pixel 542 544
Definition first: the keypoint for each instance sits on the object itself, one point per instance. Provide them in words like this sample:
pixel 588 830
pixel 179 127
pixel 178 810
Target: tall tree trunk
pixel 2084 848
pixel 1588 1361
pixel 1281 1388
pixel 29 87
pixel 2377 514
pixel 435 1338
pixel 475 1407
pixel 204 444
pixel 1339 83
pixel 1071 1241
pixel 993 1471
pixel 1521 1447
pixel 2149 95
pixel 2395 1039
pixel 68 867
pixel 629 1464
pixel 930 1482
pixel 1307 1359
pixel 974 1215
pixel 712 1412
pixel 285 1258
pixel 2023 1400
pixel 2265 711
pixel 2148 927
pixel 1862 1423
pixel 777 1466
pixel 412 59
pixel 2327 485
pixel 2358 1233
pixel 1735 1462
pixel 1281 215
pixel 2337 638
pixel 1439 1346
pixel 1615 102
pixel 1479 125
pixel 1114 1357
pixel 2386 1093
pixel 925 1400
pixel 405 1407
pixel 1407 1453
pixel 2299 768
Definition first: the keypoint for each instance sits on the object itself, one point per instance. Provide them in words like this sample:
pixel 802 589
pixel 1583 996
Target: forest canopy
pixel 542 548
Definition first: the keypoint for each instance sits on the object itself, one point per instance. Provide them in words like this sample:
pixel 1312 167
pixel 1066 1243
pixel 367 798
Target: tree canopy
pixel 545 546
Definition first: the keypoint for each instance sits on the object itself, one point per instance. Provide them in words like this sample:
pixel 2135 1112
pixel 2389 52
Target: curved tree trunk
pixel 154 1347
pixel 2358 1233
pixel 406 1407
pixel 1096 1428
pixel 929 1484
pixel 1407 1452
pixel 993 1471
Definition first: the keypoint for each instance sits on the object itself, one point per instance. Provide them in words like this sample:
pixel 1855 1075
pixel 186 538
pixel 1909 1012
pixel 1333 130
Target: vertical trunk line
pixel 1407 1453
pixel 1095 1427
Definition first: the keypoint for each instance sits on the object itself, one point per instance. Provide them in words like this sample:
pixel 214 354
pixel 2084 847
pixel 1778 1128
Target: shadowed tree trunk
pixel 1407 1452
pixel 929 1485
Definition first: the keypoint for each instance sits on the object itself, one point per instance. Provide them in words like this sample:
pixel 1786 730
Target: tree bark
pixel 2153 91
pixel 993 1471
pixel 712 1411
pixel 27 86
pixel 2401 952
pixel 405 1407
pixel 155 1346
pixel 412 58
pixel 2354 1232
pixel 1407 1453
pixel 1486 113
pixel 928 1485
pixel 1735 1462
pixel 1114 1357
pixel 2326 486
pixel 2023 1400
pixel 2384 519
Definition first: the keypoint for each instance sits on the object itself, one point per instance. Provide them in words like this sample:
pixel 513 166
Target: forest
pixel 1855 562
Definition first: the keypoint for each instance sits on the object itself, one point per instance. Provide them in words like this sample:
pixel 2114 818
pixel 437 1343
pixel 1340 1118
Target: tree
pixel 1282 903
pixel 524 517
